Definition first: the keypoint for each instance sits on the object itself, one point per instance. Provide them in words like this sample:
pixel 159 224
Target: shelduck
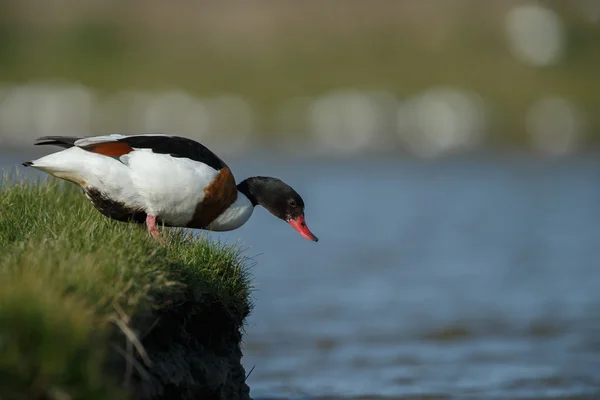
pixel 166 180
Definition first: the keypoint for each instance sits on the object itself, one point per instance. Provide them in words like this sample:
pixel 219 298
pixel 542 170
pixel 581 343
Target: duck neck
pixel 254 189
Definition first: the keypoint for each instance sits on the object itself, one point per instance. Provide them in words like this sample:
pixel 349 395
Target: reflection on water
pixel 471 278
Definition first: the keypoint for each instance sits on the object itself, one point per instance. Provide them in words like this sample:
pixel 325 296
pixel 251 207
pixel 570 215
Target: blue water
pixel 469 278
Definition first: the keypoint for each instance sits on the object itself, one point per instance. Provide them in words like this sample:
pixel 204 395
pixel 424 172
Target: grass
pixel 91 308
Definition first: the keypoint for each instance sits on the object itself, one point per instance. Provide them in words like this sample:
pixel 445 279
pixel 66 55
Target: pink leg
pixel 152 228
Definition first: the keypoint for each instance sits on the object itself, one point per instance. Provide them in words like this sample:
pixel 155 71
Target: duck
pixel 173 181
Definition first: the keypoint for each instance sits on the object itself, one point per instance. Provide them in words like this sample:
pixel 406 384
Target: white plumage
pixel 235 216
pixel 164 186
pixel 168 187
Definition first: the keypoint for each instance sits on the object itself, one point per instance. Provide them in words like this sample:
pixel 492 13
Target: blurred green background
pixel 426 77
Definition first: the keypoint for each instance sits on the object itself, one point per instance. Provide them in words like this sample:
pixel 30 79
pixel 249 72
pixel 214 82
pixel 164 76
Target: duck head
pixel 279 199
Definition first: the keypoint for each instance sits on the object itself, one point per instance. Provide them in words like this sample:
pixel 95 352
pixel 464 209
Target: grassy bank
pixel 94 309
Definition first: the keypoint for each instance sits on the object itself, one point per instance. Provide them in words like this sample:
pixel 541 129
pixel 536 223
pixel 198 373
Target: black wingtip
pixel 61 141
pixel 27 164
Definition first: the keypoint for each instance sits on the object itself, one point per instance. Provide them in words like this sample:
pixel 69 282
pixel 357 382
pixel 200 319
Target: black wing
pixel 176 146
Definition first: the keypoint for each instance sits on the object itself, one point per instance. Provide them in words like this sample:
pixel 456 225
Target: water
pixel 463 279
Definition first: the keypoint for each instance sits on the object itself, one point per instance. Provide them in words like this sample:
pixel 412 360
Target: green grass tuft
pixel 80 292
